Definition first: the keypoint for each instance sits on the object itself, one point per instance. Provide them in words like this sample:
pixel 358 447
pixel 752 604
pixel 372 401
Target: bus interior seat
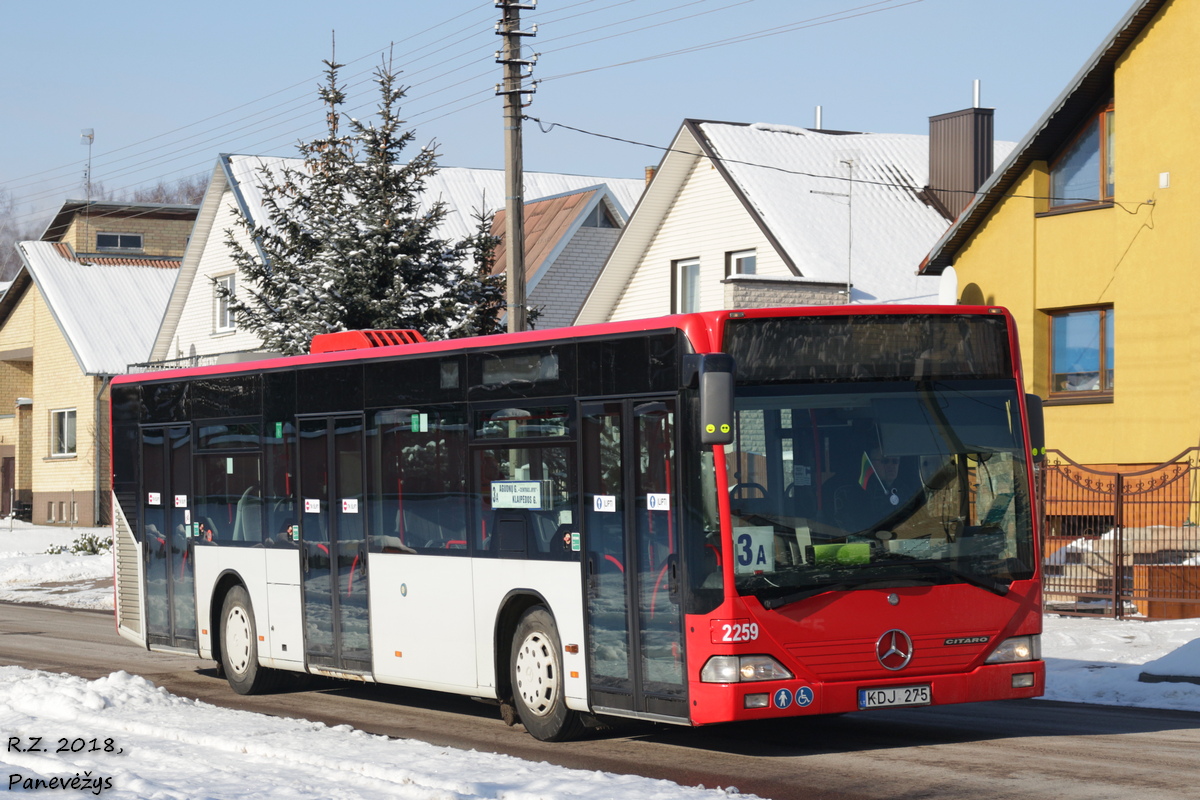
pixel 247 525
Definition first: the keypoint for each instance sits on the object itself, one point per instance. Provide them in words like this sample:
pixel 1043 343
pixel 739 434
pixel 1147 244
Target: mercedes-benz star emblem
pixel 894 649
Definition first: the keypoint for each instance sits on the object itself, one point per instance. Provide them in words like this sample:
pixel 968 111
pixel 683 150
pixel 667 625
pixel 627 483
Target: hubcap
pixel 537 673
pixel 237 639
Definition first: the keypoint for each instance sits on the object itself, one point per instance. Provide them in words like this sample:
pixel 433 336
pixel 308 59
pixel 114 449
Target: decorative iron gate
pixel 1122 541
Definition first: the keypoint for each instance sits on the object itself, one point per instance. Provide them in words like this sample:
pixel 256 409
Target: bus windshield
pixel 891 484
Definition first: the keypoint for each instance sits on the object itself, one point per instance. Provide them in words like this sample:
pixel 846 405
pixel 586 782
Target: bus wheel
pixel 239 646
pixel 537 679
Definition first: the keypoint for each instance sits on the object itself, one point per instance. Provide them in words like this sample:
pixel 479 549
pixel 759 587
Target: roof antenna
pixel 87 136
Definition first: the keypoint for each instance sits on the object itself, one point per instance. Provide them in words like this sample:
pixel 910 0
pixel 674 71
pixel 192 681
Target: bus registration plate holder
pixel 891 696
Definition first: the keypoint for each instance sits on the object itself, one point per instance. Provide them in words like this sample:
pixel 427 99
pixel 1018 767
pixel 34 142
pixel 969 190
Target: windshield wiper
pixel 993 585
pixel 795 597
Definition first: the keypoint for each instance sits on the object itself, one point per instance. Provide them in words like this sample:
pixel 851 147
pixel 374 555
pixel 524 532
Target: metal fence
pixel 1122 540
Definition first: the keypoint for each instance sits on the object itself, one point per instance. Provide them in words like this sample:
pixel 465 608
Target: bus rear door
pixel 635 633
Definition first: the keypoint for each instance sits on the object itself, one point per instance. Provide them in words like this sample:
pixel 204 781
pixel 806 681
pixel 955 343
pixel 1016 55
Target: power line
pixel 547 127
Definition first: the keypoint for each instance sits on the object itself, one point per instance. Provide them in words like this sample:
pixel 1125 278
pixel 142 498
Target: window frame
pixel 120 245
pixel 1104 393
pixel 678 284
pixel 224 317
pixel 1103 117
pixel 735 262
pixel 55 415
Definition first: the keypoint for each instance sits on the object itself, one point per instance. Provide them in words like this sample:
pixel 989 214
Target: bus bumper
pixel 714 703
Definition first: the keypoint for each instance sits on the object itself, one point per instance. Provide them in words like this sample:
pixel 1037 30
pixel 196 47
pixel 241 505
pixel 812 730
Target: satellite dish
pixel 948 287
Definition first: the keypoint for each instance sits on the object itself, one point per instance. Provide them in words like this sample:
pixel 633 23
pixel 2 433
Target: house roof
pixel 796 185
pixel 108 309
pixel 1092 85
pixel 550 222
pixel 114 210
pixel 463 190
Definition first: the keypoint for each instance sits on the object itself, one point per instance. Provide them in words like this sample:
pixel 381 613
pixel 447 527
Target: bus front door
pixel 635 622
pixel 333 544
pixel 167 531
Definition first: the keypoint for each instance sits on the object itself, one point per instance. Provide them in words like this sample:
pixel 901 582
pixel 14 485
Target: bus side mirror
pixel 716 398
pixel 1037 428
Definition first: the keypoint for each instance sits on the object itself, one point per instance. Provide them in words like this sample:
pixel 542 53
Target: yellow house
pixel 71 320
pixel 1088 232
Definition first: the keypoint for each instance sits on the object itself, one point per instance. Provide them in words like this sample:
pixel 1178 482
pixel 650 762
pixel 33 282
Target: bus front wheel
pixel 537 679
pixel 239 646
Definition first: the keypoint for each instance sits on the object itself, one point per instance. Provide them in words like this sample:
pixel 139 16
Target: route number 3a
pixel 754 549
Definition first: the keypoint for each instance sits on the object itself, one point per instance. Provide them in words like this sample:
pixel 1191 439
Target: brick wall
pixel 749 291
pixel 160 237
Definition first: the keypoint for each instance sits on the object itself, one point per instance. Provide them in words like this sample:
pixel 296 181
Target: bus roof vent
pixel 362 340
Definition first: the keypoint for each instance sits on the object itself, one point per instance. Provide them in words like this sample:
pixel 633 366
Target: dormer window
pixel 1083 175
pixel 118 241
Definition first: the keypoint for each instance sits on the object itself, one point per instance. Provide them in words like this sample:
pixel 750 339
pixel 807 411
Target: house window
pixel 1083 174
pixel 740 262
pixel 599 217
pixel 118 241
pixel 1081 359
pixel 226 288
pixel 686 277
pixel 62 432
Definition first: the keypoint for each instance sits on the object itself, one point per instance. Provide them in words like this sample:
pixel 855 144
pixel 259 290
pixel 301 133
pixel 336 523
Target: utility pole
pixel 513 91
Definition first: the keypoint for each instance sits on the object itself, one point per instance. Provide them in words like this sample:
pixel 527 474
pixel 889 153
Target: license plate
pixel 894 696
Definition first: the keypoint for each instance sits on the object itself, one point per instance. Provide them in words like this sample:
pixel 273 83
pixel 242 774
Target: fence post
pixel 1119 549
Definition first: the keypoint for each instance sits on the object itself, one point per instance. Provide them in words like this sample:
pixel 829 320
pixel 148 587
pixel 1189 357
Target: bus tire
pixel 239 646
pixel 539 692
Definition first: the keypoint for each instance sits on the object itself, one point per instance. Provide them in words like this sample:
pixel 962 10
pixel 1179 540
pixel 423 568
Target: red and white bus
pixel 695 519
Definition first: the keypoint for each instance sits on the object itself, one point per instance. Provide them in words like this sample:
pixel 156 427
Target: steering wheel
pixel 737 488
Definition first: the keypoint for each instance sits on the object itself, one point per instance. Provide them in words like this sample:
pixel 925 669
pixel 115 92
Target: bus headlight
pixel 743 669
pixel 1018 648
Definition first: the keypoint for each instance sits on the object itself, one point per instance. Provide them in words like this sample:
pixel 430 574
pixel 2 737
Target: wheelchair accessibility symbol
pixel 784 697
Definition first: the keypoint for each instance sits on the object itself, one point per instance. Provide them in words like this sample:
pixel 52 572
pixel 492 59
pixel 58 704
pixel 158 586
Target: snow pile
pixel 1101 660
pixel 29 575
pixel 128 739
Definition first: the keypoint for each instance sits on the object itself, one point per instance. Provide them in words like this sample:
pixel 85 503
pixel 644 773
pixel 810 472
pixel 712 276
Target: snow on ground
pixel 164 746
pixel 127 738
pixel 29 575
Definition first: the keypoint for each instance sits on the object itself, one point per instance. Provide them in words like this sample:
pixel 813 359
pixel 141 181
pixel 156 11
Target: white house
pixel 744 215
pixel 198 325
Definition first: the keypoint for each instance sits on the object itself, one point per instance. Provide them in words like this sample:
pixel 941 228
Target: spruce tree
pixel 347 243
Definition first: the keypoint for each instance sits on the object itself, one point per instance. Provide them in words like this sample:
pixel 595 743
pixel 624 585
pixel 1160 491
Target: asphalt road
pixel 1024 750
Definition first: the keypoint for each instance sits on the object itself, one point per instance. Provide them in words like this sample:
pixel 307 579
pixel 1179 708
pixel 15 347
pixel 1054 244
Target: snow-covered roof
pixel 464 190
pixel 108 309
pixel 842 206
pixel 838 207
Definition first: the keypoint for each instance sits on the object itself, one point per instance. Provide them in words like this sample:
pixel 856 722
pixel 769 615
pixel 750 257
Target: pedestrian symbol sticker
pixel 783 698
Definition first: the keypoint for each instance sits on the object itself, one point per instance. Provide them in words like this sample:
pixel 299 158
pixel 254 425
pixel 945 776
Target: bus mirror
pixel 1037 428
pixel 716 399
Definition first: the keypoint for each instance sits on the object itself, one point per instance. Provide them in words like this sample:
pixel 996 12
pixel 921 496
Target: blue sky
pixel 167 87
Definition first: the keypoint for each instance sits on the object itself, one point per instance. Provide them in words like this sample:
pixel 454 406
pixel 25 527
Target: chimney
pixel 650 174
pixel 960 156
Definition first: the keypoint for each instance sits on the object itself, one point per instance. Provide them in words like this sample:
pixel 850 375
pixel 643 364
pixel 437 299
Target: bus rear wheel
pixel 239 646
pixel 537 679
